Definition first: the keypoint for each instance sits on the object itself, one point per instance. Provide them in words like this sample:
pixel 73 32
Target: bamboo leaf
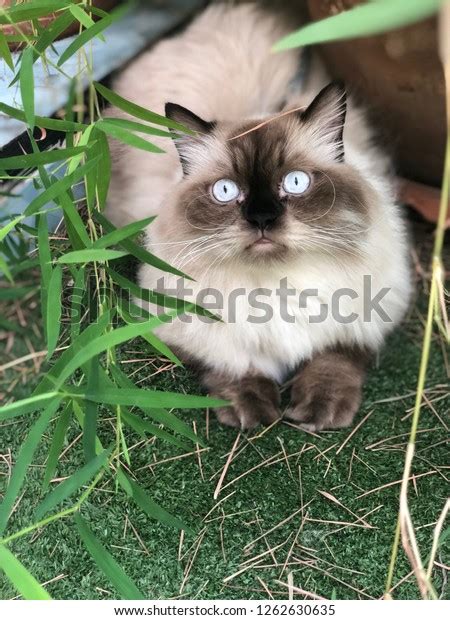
pixel 119 234
pixel 8 227
pixel 5 269
pixel 4 51
pixel 152 398
pixel 128 125
pixel 26 405
pixel 91 412
pixel 31 10
pixel 54 310
pixel 81 16
pixel 72 484
pixel 107 564
pixel 45 258
pixel 143 428
pixel 57 444
pixel 27 85
pixel 169 420
pixel 58 188
pixel 128 138
pixel 139 252
pixel 91 32
pixel 43 121
pixel 39 159
pixel 367 19
pixel 22 580
pixel 90 255
pixel 148 505
pixel 23 461
pixel 138 111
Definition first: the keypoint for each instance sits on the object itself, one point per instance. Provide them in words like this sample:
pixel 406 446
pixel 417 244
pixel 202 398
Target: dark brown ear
pixel 327 114
pixel 184 142
pixel 187 118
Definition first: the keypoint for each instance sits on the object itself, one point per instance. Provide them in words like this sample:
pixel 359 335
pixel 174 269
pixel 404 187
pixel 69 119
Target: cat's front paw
pixel 327 393
pixel 254 400
pixel 248 415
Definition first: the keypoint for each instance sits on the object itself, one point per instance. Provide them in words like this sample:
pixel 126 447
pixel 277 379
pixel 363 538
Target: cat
pixel 278 193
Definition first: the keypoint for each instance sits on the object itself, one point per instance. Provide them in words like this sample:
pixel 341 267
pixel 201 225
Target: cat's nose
pixel 262 220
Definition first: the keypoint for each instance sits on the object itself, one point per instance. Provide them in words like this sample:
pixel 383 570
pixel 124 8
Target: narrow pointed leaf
pixel 27 85
pixel 84 37
pixel 26 405
pixel 5 53
pixel 367 19
pixel 54 310
pixel 45 258
pixel 138 111
pixel 140 253
pixel 90 255
pixel 57 443
pixel 72 484
pixel 119 234
pixel 23 461
pixel 114 131
pixel 39 159
pixel 91 412
pixel 21 578
pixel 148 505
pixel 126 588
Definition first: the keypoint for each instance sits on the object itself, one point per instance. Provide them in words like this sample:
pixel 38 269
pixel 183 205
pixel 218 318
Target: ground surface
pixel 314 506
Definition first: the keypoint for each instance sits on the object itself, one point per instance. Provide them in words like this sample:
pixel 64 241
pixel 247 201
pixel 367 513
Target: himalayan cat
pixel 278 205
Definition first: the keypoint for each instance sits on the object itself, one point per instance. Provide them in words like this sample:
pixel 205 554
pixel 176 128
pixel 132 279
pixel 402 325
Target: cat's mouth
pixel 263 244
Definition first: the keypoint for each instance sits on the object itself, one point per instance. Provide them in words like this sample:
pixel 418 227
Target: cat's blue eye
pixel 225 190
pixel 296 182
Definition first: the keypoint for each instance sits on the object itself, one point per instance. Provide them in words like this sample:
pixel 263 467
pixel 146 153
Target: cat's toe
pixel 318 412
pixel 249 416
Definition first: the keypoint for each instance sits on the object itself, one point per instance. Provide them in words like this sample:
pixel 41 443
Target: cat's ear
pixel 185 142
pixel 326 116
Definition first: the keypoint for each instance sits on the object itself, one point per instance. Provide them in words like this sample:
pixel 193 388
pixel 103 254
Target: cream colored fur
pixel 221 68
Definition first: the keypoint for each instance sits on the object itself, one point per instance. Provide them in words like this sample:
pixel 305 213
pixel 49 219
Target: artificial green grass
pixel 344 561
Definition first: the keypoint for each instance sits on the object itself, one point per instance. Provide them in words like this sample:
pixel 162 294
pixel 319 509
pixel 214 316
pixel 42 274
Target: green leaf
pixel 107 564
pixel 367 19
pixel 128 138
pixel 77 295
pixel 91 412
pixel 128 125
pixel 43 121
pixel 58 188
pixel 148 505
pixel 23 461
pixel 54 310
pixel 80 15
pixel 90 255
pixel 4 51
pixel 45 258
pixel 138 111
pixel 91 32
pixel 144 428
pixel 72 484
pixel 8 227
pixel 22 580
pixel 169 420
pixel 119 234
pixel 39 159
pixel 30 10
pixel 139 252
pixel 164 301
pixel 27 85
pixel 5 269
pixel 103 342
pixel 152 398
pixel 26 405
pixel 57 444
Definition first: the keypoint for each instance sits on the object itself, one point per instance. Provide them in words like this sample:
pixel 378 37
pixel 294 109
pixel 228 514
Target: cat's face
pixel 264 193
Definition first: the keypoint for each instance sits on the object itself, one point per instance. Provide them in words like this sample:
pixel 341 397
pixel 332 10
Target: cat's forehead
pixel 260 145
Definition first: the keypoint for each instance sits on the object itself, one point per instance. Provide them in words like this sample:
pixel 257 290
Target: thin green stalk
pixel 436 273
